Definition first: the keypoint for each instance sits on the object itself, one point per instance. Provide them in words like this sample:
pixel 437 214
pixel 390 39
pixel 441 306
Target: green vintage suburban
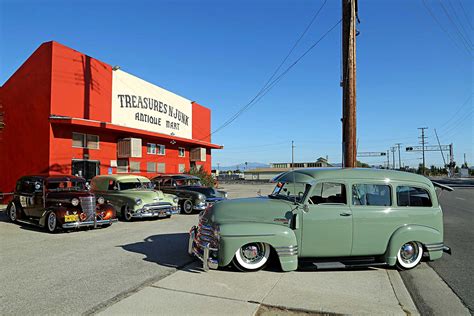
pixel 326 218
pixel 134 196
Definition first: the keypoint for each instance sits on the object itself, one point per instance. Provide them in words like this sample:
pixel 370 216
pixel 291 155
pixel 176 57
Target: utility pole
pixel 349 18
pixel 423 145
pixel 440 149
pixel 399 156
pixel 292 155
pixel 393 157
pixel 388 159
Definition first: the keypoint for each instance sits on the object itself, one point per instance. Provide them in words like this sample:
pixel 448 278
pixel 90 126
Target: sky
pixel 413 70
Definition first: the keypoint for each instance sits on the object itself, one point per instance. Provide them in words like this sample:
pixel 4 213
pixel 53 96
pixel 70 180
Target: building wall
pixel 25 97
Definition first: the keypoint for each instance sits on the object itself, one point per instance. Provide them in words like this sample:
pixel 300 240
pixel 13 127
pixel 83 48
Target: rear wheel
pixel 51 222
pixel 252 257
pixel 126 214
pixel 12 214
pixel 409 255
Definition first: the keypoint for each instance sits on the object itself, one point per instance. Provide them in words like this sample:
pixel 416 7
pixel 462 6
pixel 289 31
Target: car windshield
pixel 65 185
pixel 292 191
pixel 143 185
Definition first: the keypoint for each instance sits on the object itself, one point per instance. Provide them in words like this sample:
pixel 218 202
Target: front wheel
pixel 12 214
pixel 51 222
pixel 409 255
pixel 126 214
pixel 252 257
pixel 187 207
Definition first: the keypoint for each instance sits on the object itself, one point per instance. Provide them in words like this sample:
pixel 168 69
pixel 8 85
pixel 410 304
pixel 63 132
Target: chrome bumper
pixel 201 251
pixel 155 212
pixel 438 247
pixel 89 223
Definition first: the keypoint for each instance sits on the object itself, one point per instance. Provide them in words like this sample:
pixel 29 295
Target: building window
pixel 151 149
pixel 92 141
pixel 122 166
pixel 80 140
pixel 161 167
pixel 161 149
pixel 181 152
pixel 150 167
pixel 134 166
pixel 181 168
pixel 371 194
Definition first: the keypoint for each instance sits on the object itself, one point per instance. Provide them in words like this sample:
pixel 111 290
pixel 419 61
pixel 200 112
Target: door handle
pixel 345 214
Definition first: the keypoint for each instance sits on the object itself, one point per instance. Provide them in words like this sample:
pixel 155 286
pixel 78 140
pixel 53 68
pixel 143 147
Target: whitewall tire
pixel 252 256
pixel 409 255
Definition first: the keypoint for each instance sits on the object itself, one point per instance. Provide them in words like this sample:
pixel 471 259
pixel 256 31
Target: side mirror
pixel 306 208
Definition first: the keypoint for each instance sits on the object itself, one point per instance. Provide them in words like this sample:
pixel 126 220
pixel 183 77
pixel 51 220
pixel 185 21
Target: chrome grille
pixel 205 234
pixel 88 207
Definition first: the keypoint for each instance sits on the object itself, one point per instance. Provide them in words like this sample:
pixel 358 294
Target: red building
pixel 65 112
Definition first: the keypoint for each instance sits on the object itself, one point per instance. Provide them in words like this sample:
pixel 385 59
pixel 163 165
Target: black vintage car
pixel 58 202
pixel 192 195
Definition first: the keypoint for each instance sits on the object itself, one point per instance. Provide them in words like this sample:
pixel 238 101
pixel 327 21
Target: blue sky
pixel 219 53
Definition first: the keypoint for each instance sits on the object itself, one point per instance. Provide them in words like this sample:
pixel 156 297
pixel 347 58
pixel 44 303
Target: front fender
pixel 423 234
pixel 235 235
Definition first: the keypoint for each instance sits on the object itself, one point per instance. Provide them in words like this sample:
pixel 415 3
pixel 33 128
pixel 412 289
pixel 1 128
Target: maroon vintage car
pixel 58 202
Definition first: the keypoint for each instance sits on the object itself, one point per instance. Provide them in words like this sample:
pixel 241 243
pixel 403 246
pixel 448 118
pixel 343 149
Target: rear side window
pixel 371 194
pixel 413 196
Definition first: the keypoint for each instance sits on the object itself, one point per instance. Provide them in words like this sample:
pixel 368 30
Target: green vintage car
pixel 325 218
pixel 134 196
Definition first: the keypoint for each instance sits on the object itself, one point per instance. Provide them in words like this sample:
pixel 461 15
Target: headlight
pixel 175 200
pixel 225 195
pixel 75 201
pixel 201 197
pixel 138 201
pixel 101 200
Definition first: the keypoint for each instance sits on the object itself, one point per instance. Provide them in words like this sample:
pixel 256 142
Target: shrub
pixel 206 178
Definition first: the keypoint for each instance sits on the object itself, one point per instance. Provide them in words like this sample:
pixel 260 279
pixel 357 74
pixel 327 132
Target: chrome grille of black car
pixel 88 207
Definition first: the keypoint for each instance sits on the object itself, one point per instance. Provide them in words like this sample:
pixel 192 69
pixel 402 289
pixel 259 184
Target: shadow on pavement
pixel 169 250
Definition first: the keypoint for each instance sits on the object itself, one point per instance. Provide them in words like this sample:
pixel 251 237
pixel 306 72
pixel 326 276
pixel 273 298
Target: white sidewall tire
pixel 414 263
pixel 250 266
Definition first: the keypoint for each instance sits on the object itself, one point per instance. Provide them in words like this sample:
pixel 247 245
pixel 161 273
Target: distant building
pixel 276 168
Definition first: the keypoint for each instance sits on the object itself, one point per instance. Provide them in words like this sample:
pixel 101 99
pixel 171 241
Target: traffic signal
pixel 409 148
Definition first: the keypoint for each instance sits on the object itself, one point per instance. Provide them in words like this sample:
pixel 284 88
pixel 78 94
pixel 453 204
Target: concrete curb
pixel 401 293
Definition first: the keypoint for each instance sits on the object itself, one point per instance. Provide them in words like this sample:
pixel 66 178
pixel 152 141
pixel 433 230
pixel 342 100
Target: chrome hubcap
pixel 13 212
pixel 52 221
pixel 252 253
pixel 409 252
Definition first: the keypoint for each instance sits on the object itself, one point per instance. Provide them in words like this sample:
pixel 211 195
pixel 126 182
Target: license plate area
pixel 71 218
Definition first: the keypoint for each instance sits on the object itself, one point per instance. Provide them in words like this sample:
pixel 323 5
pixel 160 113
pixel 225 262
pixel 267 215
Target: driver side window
pixel 329 192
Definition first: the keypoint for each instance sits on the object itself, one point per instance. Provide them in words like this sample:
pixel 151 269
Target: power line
pixel 456 28
pixel 442 27
pixel 269 86
pixel 465 14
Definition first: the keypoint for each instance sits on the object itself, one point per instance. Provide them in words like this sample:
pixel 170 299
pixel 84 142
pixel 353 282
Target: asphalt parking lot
pixel 143 268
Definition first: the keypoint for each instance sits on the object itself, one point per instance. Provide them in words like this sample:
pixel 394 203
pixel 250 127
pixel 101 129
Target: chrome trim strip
pixel 248 235
pixel 287 251
pixel 151 214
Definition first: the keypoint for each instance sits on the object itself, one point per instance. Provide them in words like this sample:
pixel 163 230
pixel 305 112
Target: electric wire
pixel 456 28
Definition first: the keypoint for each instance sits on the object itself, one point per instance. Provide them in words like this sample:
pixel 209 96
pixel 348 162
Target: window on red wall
pixel 181 151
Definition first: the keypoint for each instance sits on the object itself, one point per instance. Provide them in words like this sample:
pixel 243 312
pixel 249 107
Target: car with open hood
pixel 193 196
pixel 326 218
pixel 58 202
pixel 134 196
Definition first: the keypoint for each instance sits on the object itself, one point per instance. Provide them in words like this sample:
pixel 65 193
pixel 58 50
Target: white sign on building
pixel 139 104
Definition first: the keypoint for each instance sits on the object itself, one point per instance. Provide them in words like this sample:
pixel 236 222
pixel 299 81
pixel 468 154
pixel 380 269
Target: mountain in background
pixel 242 166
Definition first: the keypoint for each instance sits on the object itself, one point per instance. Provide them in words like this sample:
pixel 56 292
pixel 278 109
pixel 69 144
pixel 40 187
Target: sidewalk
pixel 219 292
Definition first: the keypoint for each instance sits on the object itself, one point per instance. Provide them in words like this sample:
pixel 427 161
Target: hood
pixel 258 210
pixel 207 191
pixel 147 196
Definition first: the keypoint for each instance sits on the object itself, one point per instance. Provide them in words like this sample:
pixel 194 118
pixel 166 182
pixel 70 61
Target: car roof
pixel 120 177
pixel 58 177
pixel 178 176
pixel 308 174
